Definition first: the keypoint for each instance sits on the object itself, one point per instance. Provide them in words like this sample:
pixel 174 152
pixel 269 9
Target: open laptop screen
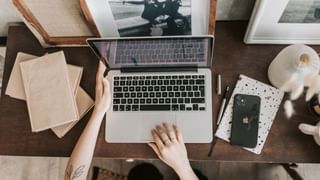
pixel 186 51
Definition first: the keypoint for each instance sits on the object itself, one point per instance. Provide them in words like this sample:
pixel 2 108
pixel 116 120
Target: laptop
pixel 156 80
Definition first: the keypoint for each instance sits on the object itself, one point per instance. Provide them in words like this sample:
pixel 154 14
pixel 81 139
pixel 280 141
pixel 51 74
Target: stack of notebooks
pixel 51 89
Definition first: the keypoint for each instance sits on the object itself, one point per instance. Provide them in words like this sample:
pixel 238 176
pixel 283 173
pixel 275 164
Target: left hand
pixel 103 92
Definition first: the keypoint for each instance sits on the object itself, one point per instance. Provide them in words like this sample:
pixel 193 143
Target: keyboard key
pixel 189 109
pixel 121 107
pixel 138 88
pixel 128 108
pixel 117 95
pixel 174 100
pixel 117 89
pixel 115 108
pixel 177 94
pixel 197 100
pixel 168 100
pixel 164 94
pixel 136 101
pixel 169 88
pixel 155 101
pixel 180 100
pixel 135 108
pixel 145 95
pixel 139 95
pixel 199 81
pixel 116 83
pixel 183 94
pixel 195 88
pixel 154 107
pixel 195 107
pixel 142 101
pixel 116 101
pixel 161 101
pixel 149 101
pixel 175 107
pixel 187 100
pixel 158 94
pixel 123 101
pixel 202 108
pixel 129 101
pixel 196 94
pixel 125 89
pixel 131 89
pixel 182 107
pixel 133 95
pixel 201 89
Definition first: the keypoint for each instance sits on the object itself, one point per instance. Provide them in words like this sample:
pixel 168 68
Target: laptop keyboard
pixel 162 51
pixel 159 93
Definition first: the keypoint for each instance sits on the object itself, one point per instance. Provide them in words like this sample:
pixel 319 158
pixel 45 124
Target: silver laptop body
pixel 156 80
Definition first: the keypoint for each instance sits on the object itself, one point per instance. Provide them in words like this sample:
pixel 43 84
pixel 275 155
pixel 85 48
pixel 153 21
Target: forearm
pixel 81 157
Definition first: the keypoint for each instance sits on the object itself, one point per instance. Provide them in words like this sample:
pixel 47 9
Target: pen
pixel 223 104
pixel 218 84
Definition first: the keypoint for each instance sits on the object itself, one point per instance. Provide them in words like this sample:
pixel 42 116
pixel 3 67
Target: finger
pixel 171 132
pixel 163 135
pixel 157 140
pixel 155 149
pixel 178 133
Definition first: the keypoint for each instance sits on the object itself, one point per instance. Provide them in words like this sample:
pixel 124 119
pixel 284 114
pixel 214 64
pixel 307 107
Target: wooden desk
pixel 284 144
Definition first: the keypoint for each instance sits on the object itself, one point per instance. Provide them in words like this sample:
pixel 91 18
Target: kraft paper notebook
pixel 84 102
pixel 270 101
pixel 50 98
pixel 15 87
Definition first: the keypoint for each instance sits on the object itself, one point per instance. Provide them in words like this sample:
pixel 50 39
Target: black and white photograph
pixel 152 17
pixel 301 11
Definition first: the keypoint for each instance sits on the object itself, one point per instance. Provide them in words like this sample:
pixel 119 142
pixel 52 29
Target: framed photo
pixel 125 18
pixel 284 22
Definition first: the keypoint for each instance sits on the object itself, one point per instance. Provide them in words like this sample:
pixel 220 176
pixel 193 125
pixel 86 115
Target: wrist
pixel 98 114
pixel 185 172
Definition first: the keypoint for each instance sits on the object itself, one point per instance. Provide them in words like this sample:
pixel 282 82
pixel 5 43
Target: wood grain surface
pixel 284 144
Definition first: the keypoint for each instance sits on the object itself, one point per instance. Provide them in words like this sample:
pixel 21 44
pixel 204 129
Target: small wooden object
pixel 55 22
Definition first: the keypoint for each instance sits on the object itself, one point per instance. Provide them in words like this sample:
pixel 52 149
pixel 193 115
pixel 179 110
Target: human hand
pixel 170 148
pixel 103 92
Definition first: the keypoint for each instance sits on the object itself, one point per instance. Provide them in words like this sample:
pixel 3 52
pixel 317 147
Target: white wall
pixel 226 10
pixel 7 14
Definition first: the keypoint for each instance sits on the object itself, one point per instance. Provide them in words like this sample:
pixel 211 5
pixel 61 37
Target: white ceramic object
pixel 292 65
pixel 311 130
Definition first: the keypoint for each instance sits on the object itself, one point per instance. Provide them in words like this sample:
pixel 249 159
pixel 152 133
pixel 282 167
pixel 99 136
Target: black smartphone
pixel 245 120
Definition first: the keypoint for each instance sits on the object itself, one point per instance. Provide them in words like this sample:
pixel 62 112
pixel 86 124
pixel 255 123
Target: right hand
pixel 170 148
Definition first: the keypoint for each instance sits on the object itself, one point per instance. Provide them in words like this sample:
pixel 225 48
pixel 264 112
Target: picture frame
pixel 284 22
pixel 100 16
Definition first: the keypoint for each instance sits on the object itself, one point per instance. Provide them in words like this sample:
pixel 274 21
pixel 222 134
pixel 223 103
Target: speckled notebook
pixel 270 101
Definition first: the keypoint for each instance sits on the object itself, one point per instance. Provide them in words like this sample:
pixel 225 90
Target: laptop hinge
pixel 160 69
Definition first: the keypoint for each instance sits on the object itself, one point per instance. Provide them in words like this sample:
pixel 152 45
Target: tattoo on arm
pixel 70 175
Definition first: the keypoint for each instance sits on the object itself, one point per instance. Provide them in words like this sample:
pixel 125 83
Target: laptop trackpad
pixel 148 121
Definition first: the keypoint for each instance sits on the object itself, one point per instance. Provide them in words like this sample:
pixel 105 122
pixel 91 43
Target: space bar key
pixel 154 107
